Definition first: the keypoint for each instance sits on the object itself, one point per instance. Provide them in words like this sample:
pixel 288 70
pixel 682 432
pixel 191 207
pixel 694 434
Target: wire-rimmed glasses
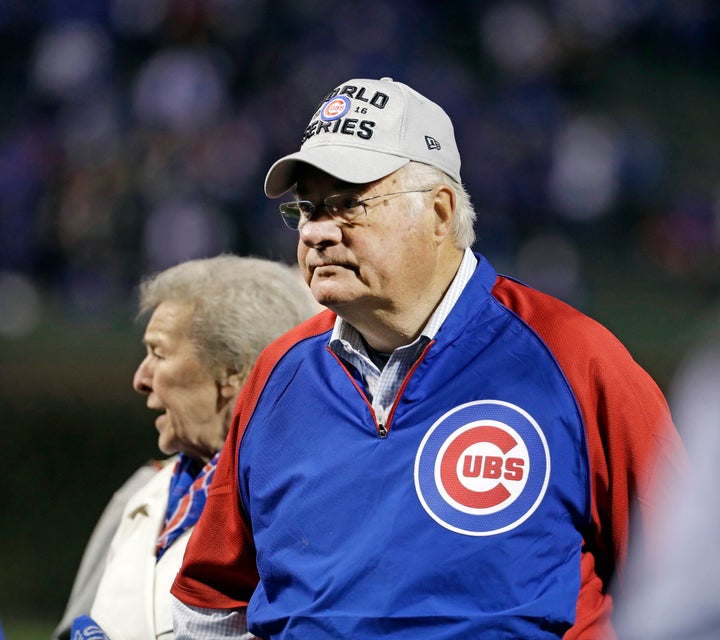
pixel 342 207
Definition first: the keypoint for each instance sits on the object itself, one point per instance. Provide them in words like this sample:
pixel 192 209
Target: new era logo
pixel 432 144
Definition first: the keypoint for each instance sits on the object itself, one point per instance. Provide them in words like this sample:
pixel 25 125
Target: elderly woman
pixel 209 321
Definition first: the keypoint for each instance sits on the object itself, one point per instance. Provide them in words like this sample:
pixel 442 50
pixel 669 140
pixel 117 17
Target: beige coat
pixel 95 554
pixel 133 598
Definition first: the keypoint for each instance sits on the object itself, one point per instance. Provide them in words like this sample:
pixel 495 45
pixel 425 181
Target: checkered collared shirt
pixel 381 386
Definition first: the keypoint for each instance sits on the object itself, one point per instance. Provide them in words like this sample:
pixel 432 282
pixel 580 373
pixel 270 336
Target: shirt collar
pixel 345 332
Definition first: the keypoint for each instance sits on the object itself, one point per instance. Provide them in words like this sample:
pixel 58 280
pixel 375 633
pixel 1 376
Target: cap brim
pixel 349 164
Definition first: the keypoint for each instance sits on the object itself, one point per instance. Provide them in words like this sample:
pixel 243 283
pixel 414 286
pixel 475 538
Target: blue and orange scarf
pixel 188 492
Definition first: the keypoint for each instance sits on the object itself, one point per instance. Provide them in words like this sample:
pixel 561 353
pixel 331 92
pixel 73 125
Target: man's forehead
pixel 311 179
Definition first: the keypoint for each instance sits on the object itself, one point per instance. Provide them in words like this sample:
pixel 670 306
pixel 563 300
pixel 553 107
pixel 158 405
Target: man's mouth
pixel 331 267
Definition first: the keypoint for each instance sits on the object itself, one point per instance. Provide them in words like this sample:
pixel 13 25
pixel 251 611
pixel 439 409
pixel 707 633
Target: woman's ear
pixel 230 383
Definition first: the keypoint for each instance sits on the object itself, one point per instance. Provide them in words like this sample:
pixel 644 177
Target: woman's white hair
pixel 416 175
pixel 240 305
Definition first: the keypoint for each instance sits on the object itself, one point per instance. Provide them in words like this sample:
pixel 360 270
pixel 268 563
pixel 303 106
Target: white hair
pixel 239 305
pixel 416 175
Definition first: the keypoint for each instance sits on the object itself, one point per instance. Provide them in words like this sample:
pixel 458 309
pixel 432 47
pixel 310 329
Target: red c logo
pixel 470 463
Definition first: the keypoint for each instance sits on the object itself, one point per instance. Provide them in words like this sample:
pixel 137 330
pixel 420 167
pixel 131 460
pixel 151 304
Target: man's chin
pixel 334 302
pixel 332 291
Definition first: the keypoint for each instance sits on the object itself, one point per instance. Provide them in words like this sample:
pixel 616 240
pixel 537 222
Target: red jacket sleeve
pixel 633 446
pixel 219 570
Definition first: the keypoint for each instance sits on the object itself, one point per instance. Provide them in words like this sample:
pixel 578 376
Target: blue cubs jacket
pixel 496 506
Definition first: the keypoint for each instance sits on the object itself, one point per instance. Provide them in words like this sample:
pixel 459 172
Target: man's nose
pixel 321 230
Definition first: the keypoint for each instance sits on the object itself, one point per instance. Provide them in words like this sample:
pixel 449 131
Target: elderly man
pixel 444 453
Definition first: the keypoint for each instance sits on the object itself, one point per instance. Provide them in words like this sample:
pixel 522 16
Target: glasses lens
pixel 291 214
pixel 344 205
pixel 296 212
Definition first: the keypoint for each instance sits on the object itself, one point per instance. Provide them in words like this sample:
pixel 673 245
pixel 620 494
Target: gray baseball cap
pixel 365 130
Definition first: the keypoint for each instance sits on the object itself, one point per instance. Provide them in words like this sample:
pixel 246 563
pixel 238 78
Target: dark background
pixel 136 133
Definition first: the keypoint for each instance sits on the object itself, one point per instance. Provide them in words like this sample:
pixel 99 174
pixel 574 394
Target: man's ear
pixel 444 207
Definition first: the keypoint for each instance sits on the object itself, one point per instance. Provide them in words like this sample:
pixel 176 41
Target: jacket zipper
pixel 383 426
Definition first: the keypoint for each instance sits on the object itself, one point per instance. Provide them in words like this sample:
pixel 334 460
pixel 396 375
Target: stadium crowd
pixel 135 133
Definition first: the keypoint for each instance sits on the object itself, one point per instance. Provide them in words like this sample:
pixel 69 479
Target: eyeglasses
pixel 342 207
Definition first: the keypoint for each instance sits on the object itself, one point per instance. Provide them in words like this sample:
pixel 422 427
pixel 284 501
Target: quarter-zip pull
pixel 381 421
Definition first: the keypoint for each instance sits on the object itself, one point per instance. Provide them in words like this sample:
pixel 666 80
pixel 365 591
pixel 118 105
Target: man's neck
pixel 386 329
pixel 379 358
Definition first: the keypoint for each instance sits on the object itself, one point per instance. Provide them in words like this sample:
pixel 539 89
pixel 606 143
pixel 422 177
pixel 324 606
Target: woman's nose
pixel 143 378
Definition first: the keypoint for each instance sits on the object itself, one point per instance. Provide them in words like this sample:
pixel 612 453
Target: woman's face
pixel 195 415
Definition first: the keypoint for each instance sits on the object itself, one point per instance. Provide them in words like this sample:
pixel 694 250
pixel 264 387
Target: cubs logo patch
pixel 335 108
pixel 482 468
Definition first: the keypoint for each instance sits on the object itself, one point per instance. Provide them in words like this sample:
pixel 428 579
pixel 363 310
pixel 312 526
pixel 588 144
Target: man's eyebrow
pixel 335 187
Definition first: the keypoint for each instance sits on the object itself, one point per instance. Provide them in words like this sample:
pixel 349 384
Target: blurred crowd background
pixel 136 133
